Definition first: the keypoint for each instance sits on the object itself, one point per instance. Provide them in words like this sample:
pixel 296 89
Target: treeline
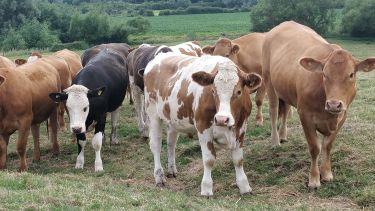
pixel 351 17
pixel 41 24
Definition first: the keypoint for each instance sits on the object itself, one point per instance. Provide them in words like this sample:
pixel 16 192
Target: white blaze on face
pixel 225 82
pixel 78 106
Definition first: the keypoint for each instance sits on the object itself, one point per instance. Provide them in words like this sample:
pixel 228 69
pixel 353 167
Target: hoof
pixel 79 166
pixel 115 142
pixel 312 186
pixel 160 185
pixel 171 175
pixel 283 141
pixel 251 193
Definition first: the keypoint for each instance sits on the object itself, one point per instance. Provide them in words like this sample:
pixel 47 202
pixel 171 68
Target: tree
pixel 357 19
pixel 138 25
pixel 316 14
pixel 38 35
pixel 13 40
pixel 14 12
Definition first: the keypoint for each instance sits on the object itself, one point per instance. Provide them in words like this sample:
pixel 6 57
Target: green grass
pixel 278 176
pixel 175 28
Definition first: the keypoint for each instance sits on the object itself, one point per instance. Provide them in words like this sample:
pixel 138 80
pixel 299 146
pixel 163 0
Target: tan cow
pixel 208 96
pixel 6 63
pixel 246 52
pixel 24 104
pixel 303 70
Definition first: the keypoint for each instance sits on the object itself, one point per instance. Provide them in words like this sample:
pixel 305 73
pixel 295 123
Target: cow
pixel 97 89
pixel 6 63
pixel 121 48
pixel 303 70
pixel 68 64
pixel 25 104
pixel 19 61
pixel 208 96
pixel 192 48
pixel 137 61
pixel 246 52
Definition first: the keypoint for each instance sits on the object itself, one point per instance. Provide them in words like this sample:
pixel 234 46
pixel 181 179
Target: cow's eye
pixel 239 92
pixel 227 55
pixel 84 109
pixel 351 75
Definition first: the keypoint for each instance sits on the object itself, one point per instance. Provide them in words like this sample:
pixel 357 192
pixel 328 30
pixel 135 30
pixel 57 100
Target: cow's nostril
pixel 77 129
pixel 339 105
pixel 227 120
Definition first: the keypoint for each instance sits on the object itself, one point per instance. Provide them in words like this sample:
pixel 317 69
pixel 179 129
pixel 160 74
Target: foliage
pixel 138 25
pixel 14 12
pixel 269 13
pixel 37 35
pixel 357 20
pixel 13 40
pixel 76 45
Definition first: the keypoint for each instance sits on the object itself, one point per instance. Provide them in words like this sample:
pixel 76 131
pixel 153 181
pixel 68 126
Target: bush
pixel 144 12
pixel 357 20
pixel 13 40
pixel 138 25
pixel 77 45
pixel 119 33
pixel 38 35
pixel 269 13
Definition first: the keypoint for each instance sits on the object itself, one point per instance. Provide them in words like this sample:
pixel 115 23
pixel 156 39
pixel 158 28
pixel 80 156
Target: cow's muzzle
pixel 77 130
pixel 221 120
pixel 334 106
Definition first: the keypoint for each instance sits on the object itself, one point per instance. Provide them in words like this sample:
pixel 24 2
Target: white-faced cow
pixel 24 104
pixel 208 96
pixel 303 70
pixel 137 61
pixel 98 88
pixel 246 52
pixel 192 48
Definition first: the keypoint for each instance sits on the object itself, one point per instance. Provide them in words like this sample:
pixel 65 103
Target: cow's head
pixel 339 77
pixel 223 47
pixel 77 101
pixel 20 61
pixel 231 90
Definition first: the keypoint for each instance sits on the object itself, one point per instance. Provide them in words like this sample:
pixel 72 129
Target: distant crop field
pixel 174 28
pixel 277 175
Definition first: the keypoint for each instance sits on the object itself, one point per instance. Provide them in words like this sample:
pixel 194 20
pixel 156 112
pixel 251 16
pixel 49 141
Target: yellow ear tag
pixel 100 92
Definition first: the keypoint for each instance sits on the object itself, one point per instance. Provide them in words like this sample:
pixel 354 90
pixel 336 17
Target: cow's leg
pixel 4 140
pixel 273 110
pixel 61 111
pixel 172 137
pixel 314 148
pixel 129 91
pixel 155 146
pixel 284 113
pixel 97 142
pixel 114 119
pixel 145 118
pixel 241 178
pixel 36 136
pixel 208 157
pixel 325 167
pixel 53 132
pixel 259 98
pixel 23 134
pixel 138 104
pixel 81 142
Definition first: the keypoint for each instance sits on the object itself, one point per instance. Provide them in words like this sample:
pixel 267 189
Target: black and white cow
pixel 137 61
pixel 98 88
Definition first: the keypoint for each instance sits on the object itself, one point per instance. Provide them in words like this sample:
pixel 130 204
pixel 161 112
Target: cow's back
pixel 73 60
pixel 62 68
pixel 107 69
pixel 6 63
pixel 283 48
pixel 88 54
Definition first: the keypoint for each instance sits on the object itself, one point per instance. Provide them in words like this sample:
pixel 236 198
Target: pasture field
pixel 278 176
pixel 178 28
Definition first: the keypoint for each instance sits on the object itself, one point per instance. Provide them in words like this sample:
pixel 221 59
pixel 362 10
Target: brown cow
pixel 246 52
pixel 6 63
pixel 303 70
pixel 24 104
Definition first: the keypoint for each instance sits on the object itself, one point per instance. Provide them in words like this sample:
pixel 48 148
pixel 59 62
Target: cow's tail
pixel 47 129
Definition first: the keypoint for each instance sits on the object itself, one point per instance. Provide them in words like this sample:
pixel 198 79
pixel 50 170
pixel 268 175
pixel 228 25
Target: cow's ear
pixel 203 78
pixel 20 62
pixel 2 79
pixel 366 65
pixel 235 49
pixel 58 97
pixel 252 80
pixel 131 49
pixel 141 72
pixel 311 64
pixel 96 92
pixel 208 49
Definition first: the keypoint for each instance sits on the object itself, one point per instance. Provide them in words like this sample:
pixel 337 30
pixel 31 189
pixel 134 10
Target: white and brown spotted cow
pixel 206 95
pixel 191 48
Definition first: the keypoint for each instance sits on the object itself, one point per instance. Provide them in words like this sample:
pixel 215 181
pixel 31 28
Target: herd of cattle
pixel 193 90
